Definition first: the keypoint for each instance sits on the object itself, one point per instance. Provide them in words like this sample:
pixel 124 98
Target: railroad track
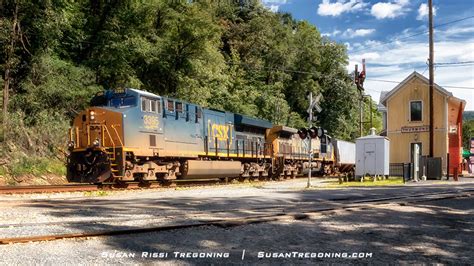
pixel 46 189
pixel 90 187
pixel 111 186
pixel 277 215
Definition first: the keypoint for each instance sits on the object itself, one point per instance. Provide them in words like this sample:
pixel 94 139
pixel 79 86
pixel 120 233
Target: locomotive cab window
pixel 179 107
pixel 198 114
pixel 153 106
pixel 158 106
pixel 170 106
pixel 146 105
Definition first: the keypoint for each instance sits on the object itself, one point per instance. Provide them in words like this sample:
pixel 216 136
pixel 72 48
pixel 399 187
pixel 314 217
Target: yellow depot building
pixel 405 113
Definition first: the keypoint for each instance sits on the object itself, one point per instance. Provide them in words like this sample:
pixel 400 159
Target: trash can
pixel 406 171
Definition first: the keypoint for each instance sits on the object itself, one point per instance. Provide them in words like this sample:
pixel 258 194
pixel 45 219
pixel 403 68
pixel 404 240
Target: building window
pixel 416 111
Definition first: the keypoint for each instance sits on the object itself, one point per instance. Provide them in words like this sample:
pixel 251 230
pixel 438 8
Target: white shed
pixel 372 155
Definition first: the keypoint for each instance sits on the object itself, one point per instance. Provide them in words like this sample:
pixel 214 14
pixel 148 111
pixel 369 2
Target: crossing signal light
pixel 312 132
pixel 303 133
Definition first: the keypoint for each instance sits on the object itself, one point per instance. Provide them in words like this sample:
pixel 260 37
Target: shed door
pixel 369 162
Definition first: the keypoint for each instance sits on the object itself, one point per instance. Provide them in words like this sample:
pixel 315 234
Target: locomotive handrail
pixel 88 135
pixel 118 136
pixel 77 136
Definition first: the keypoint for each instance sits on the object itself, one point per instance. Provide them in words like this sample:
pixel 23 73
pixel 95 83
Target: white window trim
pixel 149 103
pixel 151 106
pixel 409 111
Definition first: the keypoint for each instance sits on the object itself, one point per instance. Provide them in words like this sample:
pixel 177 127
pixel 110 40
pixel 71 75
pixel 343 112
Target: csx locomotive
pixel 133 135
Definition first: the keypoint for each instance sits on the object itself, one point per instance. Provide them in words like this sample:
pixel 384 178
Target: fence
pixel 401 170
pixel 429 167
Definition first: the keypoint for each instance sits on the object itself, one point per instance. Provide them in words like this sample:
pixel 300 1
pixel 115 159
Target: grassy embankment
pixel 368 182
pixel 30 152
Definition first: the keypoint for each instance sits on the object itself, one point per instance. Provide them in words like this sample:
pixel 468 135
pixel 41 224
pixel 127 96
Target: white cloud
pixel 331 34
pixel 423 11
pixel 277 2
pixel 273 5
pixel 350 33
pixel 274 8
pixel 457 31
pixel 394 9
pixel 371 56
pixel 328 8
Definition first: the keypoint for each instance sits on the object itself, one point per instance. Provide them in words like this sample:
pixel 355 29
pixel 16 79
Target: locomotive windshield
pixel 113 99
pixel 119 101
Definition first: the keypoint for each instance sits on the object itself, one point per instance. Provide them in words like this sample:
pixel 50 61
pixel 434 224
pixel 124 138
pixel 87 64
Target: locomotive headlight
pixel 96 142
pixel 92 115
pixel 71 144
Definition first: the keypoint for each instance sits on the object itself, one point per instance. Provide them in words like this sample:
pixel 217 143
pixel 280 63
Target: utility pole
pixel 431 61
pixel 310 124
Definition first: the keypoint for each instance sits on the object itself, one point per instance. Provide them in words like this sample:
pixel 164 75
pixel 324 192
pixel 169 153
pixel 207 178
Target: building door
pixel 369 163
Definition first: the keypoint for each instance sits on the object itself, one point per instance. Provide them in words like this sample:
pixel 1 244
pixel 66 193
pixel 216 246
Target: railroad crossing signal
pixel 312 132
pixel 359 78
pixel 314 104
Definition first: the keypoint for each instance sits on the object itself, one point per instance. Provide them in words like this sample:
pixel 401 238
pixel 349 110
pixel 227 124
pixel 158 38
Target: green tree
pixel 467 133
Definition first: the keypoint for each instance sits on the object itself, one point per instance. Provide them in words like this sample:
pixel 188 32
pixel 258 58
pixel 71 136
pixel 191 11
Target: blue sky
pixel 381 32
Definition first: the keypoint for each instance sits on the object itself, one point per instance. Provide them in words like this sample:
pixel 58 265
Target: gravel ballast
pixel 431 232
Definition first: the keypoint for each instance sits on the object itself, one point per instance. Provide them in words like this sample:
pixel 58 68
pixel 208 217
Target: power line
pixel 314 73
pixel 426 68
pixel 413 35
pixel 456 63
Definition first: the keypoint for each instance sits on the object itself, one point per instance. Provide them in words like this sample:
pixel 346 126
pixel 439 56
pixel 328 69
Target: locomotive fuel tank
pixel 195 169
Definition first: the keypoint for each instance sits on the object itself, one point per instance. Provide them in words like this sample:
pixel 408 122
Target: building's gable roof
pixel 380 106
pixel 414 75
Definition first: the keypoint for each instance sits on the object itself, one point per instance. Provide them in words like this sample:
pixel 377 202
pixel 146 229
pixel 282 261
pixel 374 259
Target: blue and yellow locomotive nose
pixel 95 145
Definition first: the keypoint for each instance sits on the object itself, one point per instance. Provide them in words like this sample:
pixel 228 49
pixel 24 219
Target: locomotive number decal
pixel 221 132
pixel 150 122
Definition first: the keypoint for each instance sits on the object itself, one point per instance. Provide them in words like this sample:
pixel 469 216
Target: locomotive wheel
pixel 243 179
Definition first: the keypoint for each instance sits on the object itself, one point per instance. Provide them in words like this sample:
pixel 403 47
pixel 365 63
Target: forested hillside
pixel 223 54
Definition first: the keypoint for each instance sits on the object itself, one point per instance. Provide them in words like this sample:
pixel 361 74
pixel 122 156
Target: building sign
pixel 415 129
pixel 453 129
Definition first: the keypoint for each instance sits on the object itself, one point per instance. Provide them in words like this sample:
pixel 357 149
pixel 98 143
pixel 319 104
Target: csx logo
pixel 221 132
pixel 150 122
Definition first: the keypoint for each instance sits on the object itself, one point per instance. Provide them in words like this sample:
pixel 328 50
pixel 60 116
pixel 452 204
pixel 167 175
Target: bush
pixel 34 147
pixel 45 137
pixel 37 166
